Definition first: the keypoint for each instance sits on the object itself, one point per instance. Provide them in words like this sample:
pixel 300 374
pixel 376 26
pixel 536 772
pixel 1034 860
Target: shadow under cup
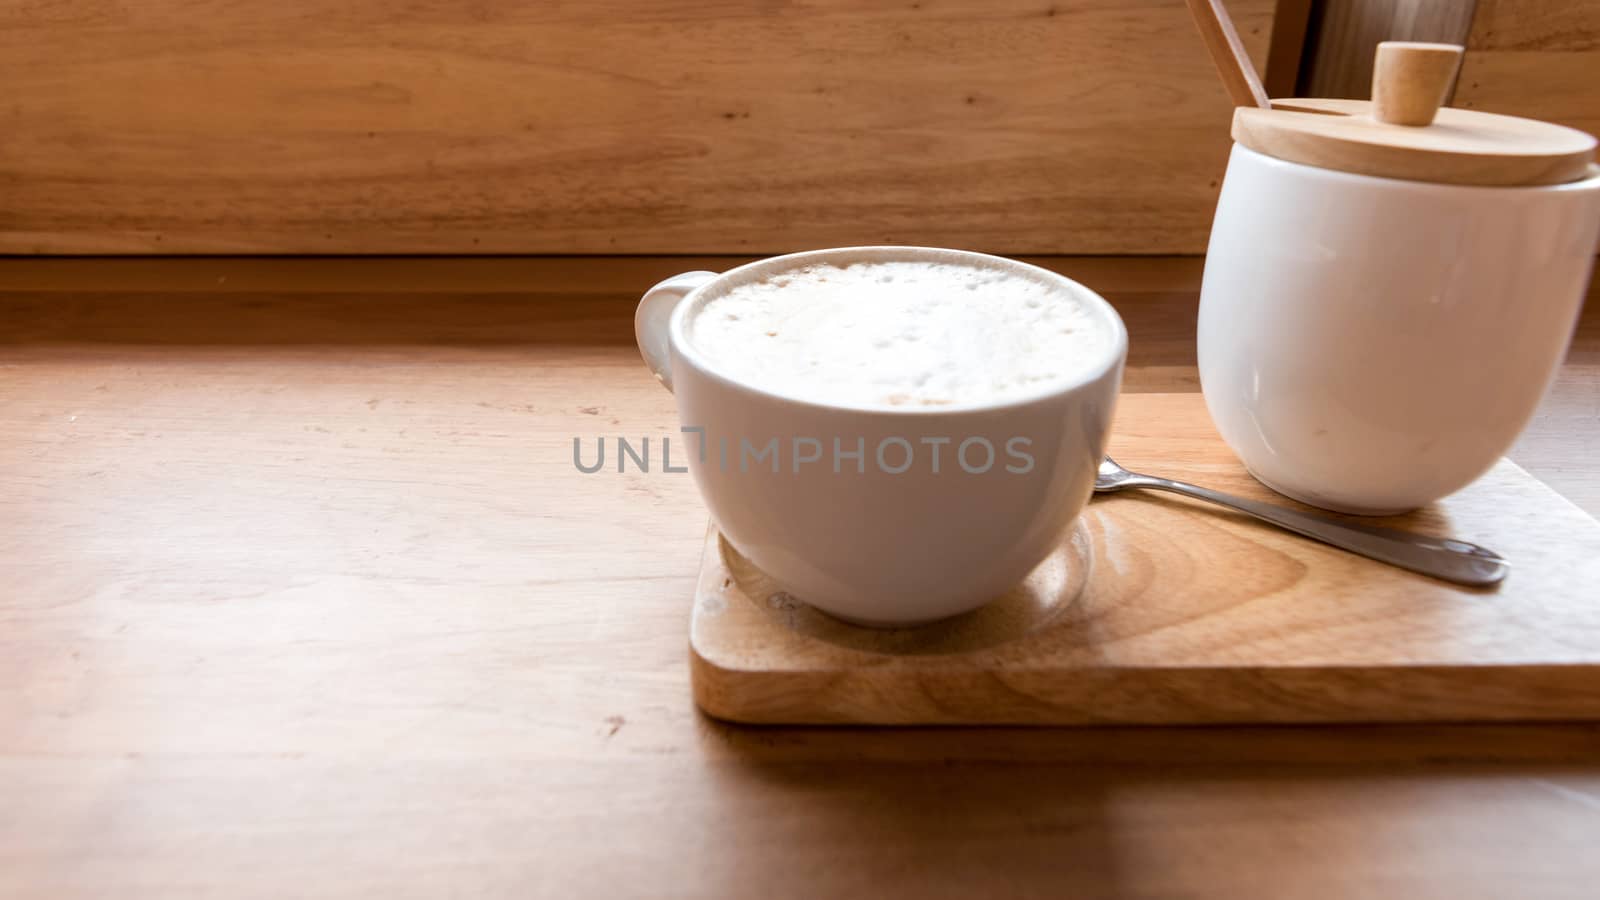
pixel 892 516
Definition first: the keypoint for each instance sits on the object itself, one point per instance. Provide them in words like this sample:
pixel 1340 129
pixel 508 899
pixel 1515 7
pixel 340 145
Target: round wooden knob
pixel 1410 80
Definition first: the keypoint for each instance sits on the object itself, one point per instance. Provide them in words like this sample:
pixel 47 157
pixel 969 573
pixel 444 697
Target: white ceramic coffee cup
pixel 1370 345
pixel 855 539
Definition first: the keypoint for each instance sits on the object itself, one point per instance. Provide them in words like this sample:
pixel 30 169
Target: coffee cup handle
pixel 654 314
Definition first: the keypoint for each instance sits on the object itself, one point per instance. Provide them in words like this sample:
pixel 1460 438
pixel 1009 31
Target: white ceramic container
pixel 853 536
pixel 1370 345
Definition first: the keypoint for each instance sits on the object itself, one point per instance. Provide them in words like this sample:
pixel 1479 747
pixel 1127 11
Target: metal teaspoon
pixel 1444 558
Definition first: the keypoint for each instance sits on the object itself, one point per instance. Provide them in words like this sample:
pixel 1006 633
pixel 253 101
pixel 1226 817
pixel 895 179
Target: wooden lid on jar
pixel 1403 133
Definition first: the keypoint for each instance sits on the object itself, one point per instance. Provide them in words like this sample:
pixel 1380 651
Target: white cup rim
pixel 1105 314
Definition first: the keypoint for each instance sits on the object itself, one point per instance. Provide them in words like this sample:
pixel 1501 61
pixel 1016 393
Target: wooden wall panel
pixel 1344 35
pixel 461 126
pixel 1535 58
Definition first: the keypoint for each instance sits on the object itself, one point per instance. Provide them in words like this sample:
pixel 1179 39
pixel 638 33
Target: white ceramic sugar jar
pixel 1385 304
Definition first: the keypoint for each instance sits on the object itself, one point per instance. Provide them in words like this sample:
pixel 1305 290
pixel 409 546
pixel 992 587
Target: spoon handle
pixel 1451 560
pixel 1227 53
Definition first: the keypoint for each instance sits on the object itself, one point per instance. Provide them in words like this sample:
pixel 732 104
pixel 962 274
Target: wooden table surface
pixel 303 596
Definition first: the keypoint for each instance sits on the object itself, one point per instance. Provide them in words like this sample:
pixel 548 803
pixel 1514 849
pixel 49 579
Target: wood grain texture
pixel 195 126
pixel 1343 39
pixel 1535 58
pixel 1161 611
pixel 302 596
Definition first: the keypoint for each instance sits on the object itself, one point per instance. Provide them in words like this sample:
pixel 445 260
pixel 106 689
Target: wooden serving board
pixel 1160 610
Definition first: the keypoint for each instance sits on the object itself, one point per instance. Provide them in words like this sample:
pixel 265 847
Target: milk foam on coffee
pixel 889 334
